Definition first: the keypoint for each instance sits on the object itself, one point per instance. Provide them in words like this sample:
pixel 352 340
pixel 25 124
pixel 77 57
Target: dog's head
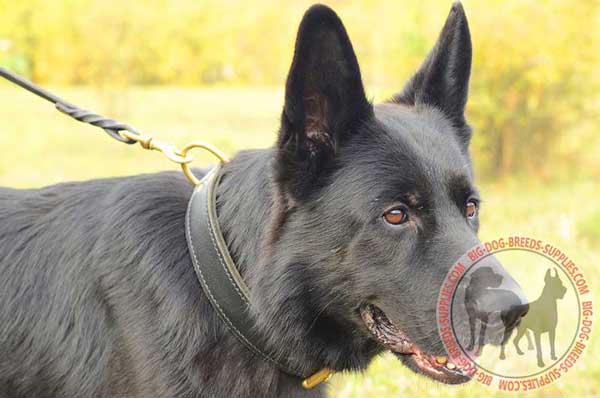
pixel 374 203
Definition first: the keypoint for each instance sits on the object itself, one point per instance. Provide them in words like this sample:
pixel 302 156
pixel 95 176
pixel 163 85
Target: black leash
pixel 119 131
pixel 112 127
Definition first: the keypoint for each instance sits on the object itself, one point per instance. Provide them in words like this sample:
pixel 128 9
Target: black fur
pixel 99 297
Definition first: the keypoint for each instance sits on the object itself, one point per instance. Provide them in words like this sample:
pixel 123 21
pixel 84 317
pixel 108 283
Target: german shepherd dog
pixel 343 231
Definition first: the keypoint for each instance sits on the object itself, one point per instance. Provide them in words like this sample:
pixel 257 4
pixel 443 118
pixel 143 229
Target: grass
pixel 39 146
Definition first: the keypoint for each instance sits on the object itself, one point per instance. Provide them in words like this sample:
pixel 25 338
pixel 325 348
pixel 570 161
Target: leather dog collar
pixel 221 280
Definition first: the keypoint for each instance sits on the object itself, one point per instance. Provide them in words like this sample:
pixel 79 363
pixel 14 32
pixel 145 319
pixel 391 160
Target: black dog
pixel 344 232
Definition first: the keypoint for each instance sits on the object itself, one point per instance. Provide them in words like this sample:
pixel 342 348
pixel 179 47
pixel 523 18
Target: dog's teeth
pixel 441 360
pixel 450 365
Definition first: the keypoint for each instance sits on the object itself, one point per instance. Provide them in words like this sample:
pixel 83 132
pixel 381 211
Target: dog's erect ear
pixel 443 79
pixel 547 276
pixel 324 101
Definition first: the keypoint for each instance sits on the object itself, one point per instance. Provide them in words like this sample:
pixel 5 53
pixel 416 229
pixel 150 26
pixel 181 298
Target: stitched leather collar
pixel 220 278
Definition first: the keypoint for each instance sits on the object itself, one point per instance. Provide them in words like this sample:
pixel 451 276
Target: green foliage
pixel 590 227
pixel 535 78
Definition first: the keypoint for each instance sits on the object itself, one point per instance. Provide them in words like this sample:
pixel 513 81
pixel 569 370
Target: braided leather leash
pixel 119 131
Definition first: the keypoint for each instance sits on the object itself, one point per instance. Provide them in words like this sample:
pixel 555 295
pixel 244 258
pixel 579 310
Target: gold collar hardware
pixel 185 167
pixel 314 380
pixel 175 155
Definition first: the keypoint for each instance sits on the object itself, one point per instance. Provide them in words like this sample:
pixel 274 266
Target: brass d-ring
pixel 185 167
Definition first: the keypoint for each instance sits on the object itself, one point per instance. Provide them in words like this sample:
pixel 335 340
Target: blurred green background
pixel 215 70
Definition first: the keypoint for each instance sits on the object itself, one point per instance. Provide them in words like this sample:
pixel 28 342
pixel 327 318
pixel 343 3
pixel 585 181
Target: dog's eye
pixel 396 216
pixel 471 209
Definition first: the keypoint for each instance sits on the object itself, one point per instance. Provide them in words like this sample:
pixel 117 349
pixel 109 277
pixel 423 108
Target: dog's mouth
pixel 439 368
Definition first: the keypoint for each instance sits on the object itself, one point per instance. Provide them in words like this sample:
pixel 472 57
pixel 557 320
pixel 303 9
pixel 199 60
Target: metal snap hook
pixel 185 167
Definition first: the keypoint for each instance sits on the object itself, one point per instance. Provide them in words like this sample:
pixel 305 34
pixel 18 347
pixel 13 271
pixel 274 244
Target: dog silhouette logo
pixel 484 298
pixel 541 318
pixel 483 319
